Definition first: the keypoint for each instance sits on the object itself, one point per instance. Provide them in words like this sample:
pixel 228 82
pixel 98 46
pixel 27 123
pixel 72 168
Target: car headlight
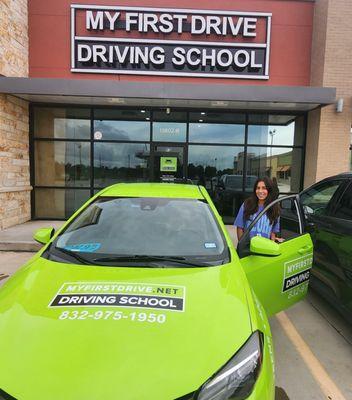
pixel 237 378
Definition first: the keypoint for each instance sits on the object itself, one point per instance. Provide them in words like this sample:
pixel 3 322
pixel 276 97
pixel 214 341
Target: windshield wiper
pixel 146 258
pixel 75 255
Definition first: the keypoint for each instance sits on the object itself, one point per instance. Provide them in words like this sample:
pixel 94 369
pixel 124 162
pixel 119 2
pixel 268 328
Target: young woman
pixel 264 192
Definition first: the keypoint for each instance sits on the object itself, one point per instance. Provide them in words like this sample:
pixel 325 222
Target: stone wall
pixel 14 126
pixel 329 132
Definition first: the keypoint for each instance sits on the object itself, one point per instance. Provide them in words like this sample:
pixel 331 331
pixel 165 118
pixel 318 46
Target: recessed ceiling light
pixel 143 111
pixel 202 113
pixel 200 120
pixel 147 118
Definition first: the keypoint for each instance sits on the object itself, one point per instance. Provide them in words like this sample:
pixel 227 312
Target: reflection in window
pixel 216 133
pixel 59 203
pixel 62 163
pixel 169 132
pixel 120 162
pixel 344 209
pixel 276 130
pixel 121 130
pixel 281 164
pixel 61 123
pixel 210 161
pixel 218 169
pixel 316 200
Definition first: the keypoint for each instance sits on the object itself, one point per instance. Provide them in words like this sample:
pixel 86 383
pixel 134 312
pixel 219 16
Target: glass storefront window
pixel 124 125
pixel 211 144
pixel 59 163
pixel 220 170
pixel 120 162
pixel 62 123
pixel 169 132
pixel 167 126
pixel 280 163
pixel 121 130
pixel 210 161
pixel 216 133
pixel 284 130
pixel 59 203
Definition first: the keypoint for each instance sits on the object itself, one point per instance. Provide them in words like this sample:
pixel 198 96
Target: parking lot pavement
pixel 316 367
pixel 10 261
pixel 319 366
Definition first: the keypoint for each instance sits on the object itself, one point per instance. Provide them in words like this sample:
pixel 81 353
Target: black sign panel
pixel 296 280
pixel 117 300
pixel 238 50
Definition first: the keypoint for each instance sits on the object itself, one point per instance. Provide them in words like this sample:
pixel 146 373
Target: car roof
pixel 171 190
pixel 346 174
pixel 343 175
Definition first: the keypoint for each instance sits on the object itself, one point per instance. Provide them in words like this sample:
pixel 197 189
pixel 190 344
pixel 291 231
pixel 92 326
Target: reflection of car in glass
pixel 328 211
pixel 229 192
pixel 142 295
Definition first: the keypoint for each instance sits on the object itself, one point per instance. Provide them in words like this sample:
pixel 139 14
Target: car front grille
pixel 6 396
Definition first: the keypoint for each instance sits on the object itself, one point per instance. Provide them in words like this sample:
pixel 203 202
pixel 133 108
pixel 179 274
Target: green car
pixel 142 296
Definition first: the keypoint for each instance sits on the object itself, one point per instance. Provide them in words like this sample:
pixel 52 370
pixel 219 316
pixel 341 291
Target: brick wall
pixel 329 135
pixel 14 127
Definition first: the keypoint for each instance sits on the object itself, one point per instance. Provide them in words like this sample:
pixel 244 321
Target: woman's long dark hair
pixel 251 204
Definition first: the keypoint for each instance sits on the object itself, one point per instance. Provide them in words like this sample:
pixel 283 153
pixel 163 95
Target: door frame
pixel 153 145
pixel 243 244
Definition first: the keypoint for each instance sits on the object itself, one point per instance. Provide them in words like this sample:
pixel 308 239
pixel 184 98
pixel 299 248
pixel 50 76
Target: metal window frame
pixel 186 144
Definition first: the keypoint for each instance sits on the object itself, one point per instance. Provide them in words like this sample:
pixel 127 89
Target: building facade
pixel 99 93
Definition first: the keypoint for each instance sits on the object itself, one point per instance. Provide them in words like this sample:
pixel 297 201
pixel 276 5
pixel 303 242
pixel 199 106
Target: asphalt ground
pixel 313 345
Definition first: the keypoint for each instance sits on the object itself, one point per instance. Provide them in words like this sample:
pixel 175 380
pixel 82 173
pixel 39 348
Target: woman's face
pixel 261 191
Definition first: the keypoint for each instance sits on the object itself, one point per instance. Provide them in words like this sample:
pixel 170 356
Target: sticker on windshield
pixel 210 245
pixel 297 272
pixel 117 294
pixel 84 247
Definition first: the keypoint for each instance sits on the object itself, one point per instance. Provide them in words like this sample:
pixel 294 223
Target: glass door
pixel 167 162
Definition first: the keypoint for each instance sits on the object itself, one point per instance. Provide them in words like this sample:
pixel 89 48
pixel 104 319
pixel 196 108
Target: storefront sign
pixel 178 42
pixel 168 164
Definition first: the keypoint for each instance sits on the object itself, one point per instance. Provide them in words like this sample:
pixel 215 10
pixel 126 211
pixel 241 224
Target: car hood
pixel 99 345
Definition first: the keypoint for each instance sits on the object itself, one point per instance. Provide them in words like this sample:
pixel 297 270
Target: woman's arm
pixel 240 232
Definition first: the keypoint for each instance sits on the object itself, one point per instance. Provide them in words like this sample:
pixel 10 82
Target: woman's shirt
pixel 262 228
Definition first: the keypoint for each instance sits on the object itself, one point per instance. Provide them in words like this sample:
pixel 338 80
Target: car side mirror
pixel 43 235
pixel 264 247
pixel 308 210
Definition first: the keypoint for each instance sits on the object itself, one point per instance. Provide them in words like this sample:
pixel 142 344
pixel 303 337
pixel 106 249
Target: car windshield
pixel 138 228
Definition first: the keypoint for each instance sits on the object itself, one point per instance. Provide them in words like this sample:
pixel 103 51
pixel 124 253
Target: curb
pixel 20 246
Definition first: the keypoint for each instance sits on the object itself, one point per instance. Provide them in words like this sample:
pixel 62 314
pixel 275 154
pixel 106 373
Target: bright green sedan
pixel 143 296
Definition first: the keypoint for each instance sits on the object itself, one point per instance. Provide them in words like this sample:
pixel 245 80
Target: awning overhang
pixel 166 94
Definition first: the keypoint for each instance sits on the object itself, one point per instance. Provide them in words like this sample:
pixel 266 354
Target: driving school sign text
pixel 176 42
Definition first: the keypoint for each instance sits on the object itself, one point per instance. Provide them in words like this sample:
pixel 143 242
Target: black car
pixel 328 211
pixel 228 194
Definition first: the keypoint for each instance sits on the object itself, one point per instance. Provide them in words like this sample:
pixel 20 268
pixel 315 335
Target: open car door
pixel 278 272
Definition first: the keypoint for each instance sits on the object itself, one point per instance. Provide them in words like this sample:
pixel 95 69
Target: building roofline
pixel 113 88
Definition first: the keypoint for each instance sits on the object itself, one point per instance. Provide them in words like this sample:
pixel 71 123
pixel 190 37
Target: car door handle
pixel 305 249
